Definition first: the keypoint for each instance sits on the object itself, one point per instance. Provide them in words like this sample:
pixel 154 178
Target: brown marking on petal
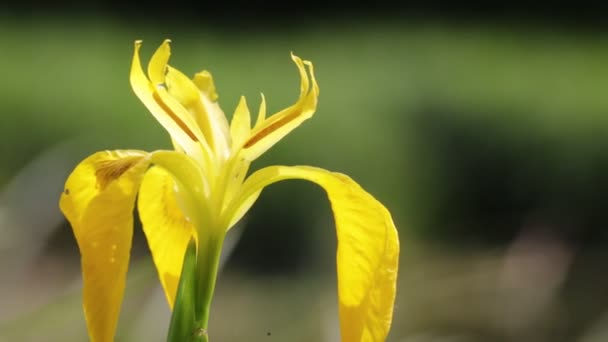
pixel 108 171
pixel 173 116
pixel 66 191
pixel 273 127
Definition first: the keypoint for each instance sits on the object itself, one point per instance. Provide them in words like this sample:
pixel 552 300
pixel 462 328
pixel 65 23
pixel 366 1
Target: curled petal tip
pixel 311 68
pixel 162 52
pixel 294 57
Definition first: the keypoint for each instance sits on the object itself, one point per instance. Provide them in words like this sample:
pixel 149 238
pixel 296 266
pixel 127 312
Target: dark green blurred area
pixel 487 143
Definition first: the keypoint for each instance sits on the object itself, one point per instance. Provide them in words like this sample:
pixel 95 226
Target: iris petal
pixel 158 63
pixel 261 112
pixel 208 115
pixel 240 127
pixel 167 229
pixel 273 129
pixel 213 113
pixel 144 91
pixel 98 202
pixel 167 111
pixel 368 247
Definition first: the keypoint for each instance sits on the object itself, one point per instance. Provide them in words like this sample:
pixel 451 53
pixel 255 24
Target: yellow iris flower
pixel 200 190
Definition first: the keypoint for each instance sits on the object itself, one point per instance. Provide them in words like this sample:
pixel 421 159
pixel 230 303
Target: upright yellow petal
pixel 182 88
pixel 158 63
pixel 167 229
pixel 240 127
pixel 204 82
pixel 268 132
pixel 207 113
pixel 261 112
pixel 98 202
pixel 368 248
pixel 145 92
pixel 167 110
pixel 214 114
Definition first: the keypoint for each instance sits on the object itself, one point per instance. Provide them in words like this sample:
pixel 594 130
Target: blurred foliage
pixel 515 89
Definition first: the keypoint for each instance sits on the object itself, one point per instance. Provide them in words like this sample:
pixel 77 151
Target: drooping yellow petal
pixel 271 130
pixel 240 127
pixel 98 202
pixel 167 229
pixel 368 248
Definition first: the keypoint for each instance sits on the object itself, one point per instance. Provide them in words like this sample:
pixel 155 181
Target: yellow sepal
pixel 368 247
pixel 167 229
pixel 98 201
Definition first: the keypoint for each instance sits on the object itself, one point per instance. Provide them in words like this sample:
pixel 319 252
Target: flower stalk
pixel 207 270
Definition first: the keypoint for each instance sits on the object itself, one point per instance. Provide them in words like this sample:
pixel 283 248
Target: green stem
pixel 200 336
pixel 208 264
pixel 183 319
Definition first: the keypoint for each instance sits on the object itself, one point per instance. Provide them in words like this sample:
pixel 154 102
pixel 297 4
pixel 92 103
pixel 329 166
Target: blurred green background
pixel 486 140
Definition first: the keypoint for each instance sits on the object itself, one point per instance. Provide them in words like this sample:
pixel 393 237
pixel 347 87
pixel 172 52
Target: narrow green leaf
pixel 183 325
